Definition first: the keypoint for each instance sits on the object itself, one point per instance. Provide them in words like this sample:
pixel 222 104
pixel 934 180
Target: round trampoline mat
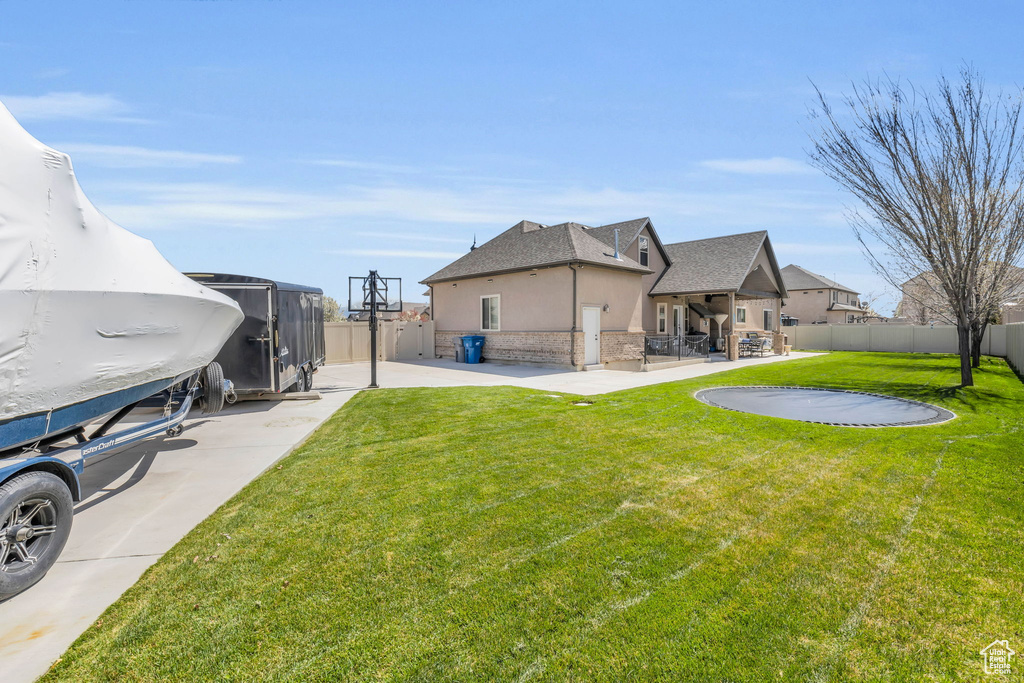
pixel 826 406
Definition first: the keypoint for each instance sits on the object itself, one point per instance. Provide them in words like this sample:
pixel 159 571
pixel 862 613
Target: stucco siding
pixel 765 263
pixel 542 303
pixel 621 291
pixel 811 306
pixel 808 305
pixel 656 264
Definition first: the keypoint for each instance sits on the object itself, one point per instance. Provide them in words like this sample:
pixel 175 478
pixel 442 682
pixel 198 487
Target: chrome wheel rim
pixel 26 533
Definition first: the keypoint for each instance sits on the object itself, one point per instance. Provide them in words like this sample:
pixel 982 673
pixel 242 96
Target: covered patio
pixel 728 288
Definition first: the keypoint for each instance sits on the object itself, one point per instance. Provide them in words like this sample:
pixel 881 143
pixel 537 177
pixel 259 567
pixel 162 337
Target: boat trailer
pixel 39 483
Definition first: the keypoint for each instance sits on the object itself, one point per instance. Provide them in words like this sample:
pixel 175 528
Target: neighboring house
pixel 814 299
pixel 574 295
pixel 924 302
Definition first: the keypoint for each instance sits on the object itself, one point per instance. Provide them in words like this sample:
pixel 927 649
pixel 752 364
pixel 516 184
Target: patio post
pixel 732 344
pixel 779 339
pixel 732 312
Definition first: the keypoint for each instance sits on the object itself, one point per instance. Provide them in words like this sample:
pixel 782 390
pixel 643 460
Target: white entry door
pixel 591 335
pixel 678 321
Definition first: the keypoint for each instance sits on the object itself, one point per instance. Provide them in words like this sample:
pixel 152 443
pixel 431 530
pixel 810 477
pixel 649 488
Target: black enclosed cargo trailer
pixel 280 344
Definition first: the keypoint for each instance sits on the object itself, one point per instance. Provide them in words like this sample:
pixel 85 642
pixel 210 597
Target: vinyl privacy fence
pixel 1015 346
pixel 349 342
pixel 893 338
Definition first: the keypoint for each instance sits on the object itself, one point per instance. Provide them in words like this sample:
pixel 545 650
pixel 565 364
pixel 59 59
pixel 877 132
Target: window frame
pixel 741 318
pixel 662 318
pixel 644 245
pixel 497 311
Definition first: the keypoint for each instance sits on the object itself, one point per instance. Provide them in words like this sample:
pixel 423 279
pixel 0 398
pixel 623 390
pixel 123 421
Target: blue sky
pixel 312 141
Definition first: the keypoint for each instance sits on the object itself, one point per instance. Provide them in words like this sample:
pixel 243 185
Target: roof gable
pixel 717 264
pixel 628 233
pixel 798 278
pixel 531 245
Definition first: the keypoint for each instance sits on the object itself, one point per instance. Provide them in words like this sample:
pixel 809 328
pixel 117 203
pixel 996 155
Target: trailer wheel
pixel 309 378
pixel 213 389
pixel 300 381
pixel 35 522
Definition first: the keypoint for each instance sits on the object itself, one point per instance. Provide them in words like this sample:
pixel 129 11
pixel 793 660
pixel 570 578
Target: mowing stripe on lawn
pixel 853 621
pixel 615 608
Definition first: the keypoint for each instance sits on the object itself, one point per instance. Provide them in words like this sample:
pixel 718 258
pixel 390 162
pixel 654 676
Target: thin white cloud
pixel 55 72
pixel 483 206
pixel 399 253
pixel 366 166
pixel 411 237
pixel 118 156
pixel 770 166
pixel 69 105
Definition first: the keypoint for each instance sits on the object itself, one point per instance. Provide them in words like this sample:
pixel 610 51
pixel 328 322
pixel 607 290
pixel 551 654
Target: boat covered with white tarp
pixel 92 317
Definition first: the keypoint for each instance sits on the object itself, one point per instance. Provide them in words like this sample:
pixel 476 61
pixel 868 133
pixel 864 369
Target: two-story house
pixel 815 299
pixel 575 295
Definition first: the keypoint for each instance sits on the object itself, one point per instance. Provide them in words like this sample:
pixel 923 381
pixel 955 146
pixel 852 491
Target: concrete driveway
pixel 140 502
pixel 136 505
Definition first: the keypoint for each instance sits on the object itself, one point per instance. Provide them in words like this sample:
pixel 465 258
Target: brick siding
pixel 544 347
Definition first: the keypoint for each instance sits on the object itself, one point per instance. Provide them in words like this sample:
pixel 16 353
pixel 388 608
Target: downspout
pixel 433 322
pixel 572 332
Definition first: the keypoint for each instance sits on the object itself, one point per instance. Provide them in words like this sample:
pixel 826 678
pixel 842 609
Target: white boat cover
pixel 86 307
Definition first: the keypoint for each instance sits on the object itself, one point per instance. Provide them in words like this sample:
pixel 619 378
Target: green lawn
pixel 506 534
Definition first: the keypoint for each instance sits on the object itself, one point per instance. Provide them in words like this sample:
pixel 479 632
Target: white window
pixel 490 318
pixel 662 318
pixel 741 314
pixel 644 251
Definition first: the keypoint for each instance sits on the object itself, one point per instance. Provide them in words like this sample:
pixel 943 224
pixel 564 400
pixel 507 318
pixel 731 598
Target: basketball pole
pixel 373 329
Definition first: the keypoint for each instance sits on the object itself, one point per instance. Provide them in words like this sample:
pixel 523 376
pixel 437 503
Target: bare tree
pixel 941 178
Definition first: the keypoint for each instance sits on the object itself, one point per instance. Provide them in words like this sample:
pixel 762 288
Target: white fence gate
pixel 891 338
pixel 349 342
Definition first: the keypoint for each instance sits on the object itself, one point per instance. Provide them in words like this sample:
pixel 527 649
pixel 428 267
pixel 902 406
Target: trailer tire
pixel 309 377
pixel 213 389
pixel 300 381
pixel 35 521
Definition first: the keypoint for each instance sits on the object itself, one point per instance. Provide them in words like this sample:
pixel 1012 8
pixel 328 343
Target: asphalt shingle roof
pixel 628 230
pixel 530 245
pixel 797 278
pixel 717 264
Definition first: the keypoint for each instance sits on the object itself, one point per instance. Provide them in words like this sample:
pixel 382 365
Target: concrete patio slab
pixel 448 373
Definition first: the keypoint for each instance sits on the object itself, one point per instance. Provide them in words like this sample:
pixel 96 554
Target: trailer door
pixel 248 355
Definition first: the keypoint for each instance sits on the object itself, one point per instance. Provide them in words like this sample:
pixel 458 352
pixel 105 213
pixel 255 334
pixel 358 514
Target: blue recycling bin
pixel 474 346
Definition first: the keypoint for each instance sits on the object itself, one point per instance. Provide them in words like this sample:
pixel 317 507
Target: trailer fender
pixel 43 463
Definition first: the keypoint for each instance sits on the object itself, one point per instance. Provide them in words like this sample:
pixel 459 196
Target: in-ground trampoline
pixel 826 406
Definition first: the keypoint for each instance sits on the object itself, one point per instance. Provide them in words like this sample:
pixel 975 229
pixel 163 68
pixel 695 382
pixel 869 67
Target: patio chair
pixel 746 347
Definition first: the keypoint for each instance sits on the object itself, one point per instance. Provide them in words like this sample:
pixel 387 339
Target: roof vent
pixel 617 257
